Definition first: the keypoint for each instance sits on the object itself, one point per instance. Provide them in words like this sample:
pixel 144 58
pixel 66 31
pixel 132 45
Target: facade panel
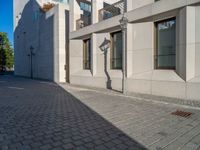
pixel 162 44
pixel 158 63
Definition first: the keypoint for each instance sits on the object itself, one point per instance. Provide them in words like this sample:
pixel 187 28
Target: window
pixel 60 1
pixel 85 19
pixel 165 56
pixel 87 54
pixel 85 7
pixel 116 50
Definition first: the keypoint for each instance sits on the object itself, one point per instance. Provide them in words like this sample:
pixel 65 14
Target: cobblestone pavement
pixel 44 116
pixel 146 121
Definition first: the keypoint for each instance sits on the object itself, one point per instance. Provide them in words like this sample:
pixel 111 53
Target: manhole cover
pixel 182 113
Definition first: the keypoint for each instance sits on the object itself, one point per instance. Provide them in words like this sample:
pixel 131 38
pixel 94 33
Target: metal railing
pixel 83 22
pixel 112 10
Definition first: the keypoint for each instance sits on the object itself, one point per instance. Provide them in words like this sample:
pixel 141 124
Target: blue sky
pixel 6 18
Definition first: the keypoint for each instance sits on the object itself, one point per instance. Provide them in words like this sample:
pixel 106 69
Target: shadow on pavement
pixel 7 73
pixel 42 115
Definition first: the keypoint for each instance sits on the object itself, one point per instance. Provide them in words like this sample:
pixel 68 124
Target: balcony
pixel 83 21
pixel 57 1
pixel 111 10
pixel 84 13
pixel 62 1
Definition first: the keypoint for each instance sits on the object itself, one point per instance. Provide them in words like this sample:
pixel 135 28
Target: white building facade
pixel 41 39
pixel 80 42
pixel 162 46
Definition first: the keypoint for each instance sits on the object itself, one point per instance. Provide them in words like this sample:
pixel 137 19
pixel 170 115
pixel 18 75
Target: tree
pixel 6 53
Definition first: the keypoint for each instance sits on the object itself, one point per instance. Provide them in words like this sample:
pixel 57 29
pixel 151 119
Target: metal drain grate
pixel 182 113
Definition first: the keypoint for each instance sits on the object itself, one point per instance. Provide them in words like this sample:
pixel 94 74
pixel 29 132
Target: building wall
pixel 197 31
pixel 183 82
pixel 46 33
pixel 20 36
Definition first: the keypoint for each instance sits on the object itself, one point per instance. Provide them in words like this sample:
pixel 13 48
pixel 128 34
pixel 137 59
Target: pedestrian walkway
pixel 39 115
pixel 43 116
pixel 149 121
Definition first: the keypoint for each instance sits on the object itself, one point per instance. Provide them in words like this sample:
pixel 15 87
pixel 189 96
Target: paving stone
pixel 58 143
pixel 100 147
pixel 81 148
pixel 68 146
pixel 89 145
pixel 78 142
pixel 46 147
pixel 109 144
pixel 48 116
pixel 4 147
pixel 25 147
pixel 190 146
pixel 57 148
pixel 36 144
pixel 68 140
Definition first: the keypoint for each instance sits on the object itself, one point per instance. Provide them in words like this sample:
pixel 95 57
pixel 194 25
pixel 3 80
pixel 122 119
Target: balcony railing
pixel 83 22
pixel 112 10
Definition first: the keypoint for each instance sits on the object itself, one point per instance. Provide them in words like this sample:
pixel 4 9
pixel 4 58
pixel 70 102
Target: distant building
pixel 43 33
pixel 162 42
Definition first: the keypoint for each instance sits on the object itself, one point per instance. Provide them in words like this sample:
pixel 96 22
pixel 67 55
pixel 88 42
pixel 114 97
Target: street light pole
pixel 31 60
pixel 123 23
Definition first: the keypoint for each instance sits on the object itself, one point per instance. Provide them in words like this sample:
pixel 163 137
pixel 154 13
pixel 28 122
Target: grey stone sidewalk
pixel 186 102
pixel 44 116
pixel 148 122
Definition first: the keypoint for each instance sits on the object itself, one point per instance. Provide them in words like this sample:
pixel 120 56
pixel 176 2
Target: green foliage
pixel 6 52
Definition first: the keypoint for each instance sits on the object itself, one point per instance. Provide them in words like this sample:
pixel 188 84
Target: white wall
pixel 184 82
pixel 46 33
pixel 197 31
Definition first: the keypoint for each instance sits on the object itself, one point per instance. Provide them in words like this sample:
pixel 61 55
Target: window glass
pixel 166 44
pixel 85 7
pixel 116 58
pixel 87 54
pixel 62 1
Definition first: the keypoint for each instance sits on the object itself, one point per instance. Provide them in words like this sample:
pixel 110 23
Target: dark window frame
pixel 86 62
pixel 156 66
pixel 111 51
